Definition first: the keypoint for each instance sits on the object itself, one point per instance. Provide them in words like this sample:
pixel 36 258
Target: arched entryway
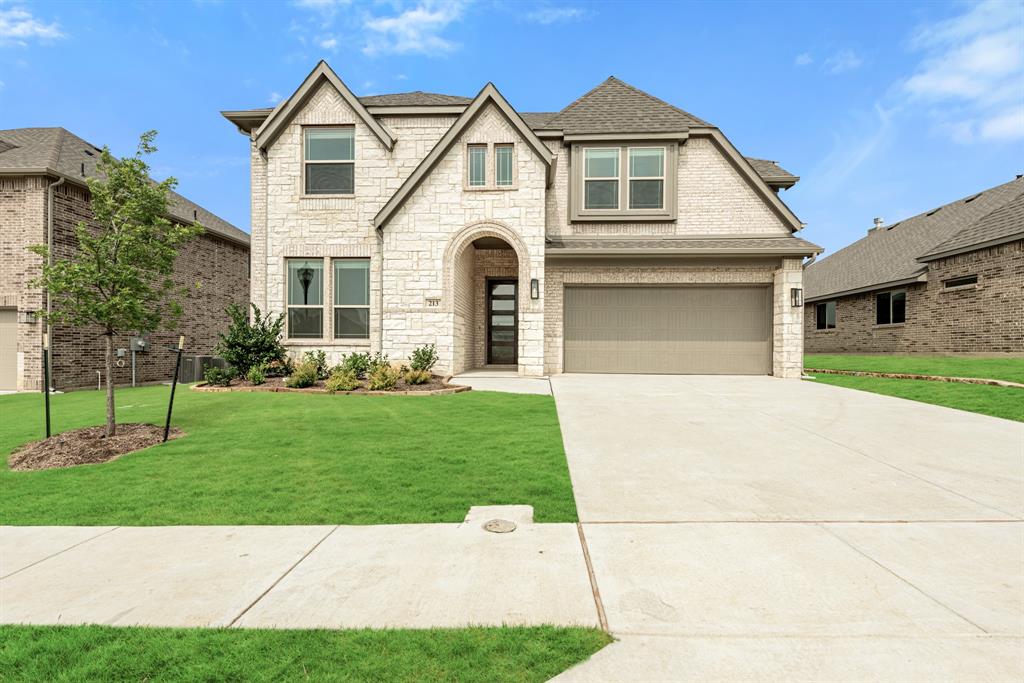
pixel 486 280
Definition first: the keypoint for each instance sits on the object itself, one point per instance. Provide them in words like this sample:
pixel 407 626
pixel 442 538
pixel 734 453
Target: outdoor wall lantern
pixel 797 295
pixel 305 278
pixel 534 289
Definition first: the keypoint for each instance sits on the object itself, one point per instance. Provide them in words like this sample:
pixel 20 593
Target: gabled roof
pixel 489 94
pixel 287 109
pixel 772 173
pixel 59 152
pixel 417 98
pixel 617 107
pixel 893 254
pixel 1005 224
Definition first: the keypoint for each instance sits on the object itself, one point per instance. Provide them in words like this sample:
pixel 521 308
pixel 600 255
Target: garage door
pixel 668 330
pixel 8 349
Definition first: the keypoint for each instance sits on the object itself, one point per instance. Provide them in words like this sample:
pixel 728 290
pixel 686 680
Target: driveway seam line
pixel 602 618
pixel 281 578
pixel 806 521
pixel 931 597
pixel 59 552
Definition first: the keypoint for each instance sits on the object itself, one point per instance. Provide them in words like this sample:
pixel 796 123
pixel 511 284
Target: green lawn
pixel 282 458
pixel 102 653
pixel 1005 402
pixel 1009 369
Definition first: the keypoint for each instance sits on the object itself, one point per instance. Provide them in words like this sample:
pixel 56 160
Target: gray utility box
pixel 193 367
pixel 138 344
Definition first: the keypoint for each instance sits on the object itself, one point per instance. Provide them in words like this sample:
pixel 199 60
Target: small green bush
pixel 279 368
pixel 359 363
pixel 342 380
pixel 219 377
pixel 417 377
pixel 379 360
pixel 383 378
pixel 423 358
pixel 256 375
pixel 246 344
pixel 318 358
pixel 305 375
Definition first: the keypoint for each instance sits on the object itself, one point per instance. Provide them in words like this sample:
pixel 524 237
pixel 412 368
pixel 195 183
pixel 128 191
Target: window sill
pixel 327 196
pixel 623 217
pixel 958 289
pixel 327 342
pixel 830 330
pixel 488 188
pixel 887 326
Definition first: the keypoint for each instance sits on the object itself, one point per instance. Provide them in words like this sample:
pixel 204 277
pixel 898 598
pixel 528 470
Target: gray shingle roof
pixel 416 98
pixel 695 244
pixel 617 107
pixel 771 171
pixel 891 254
pixel 61 151
pixel 537 119
pixel 1004 223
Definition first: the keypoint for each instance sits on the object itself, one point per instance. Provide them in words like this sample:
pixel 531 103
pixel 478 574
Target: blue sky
pixel 885 109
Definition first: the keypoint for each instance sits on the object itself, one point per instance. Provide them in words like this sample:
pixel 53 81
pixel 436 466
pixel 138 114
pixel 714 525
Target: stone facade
pixel 427 277
pixel 215 269
pixel 983 318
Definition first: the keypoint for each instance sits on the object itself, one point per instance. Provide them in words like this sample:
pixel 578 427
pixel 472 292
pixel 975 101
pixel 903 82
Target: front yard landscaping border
pixel 448 389
pixel 904 375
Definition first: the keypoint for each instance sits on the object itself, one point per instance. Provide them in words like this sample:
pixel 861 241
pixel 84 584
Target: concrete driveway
pixel 748 528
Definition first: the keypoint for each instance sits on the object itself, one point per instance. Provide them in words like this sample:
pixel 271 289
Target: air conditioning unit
pixel 194 367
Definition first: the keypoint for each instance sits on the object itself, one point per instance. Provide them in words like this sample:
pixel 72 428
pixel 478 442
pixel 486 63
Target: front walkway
pixel 749 528
pixel 508 381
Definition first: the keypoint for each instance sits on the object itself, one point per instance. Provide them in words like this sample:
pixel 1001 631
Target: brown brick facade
pixel 986 318
pixel 215 269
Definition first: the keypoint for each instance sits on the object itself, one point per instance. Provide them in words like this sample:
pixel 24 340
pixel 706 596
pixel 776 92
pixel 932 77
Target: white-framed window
pixel 646 177
pixel 891 307
pixel 329 160
pixel 352 298
pixel 305 298
pixel 601 178
pixel 504 156
pixel 825 315
pixel 477 176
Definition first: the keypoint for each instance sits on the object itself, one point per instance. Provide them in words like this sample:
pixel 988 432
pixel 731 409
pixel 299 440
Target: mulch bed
pixel 87 446
pixel 436 385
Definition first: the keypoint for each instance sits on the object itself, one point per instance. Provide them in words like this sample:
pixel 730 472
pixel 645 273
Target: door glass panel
pixel 503 289
pixel 502 354
pixel 503 320
pixel 503 336
pixel 503 305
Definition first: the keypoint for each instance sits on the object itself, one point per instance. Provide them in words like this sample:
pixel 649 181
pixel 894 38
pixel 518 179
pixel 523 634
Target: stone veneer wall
pixel 787 341
pixel 987 318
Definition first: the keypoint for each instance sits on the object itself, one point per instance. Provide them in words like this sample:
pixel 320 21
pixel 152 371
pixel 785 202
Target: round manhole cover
pixel 500 526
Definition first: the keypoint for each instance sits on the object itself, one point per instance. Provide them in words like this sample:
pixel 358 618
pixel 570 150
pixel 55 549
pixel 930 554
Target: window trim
pixel 630 178
pixel 306 162
pixel 512 166
pixel 335 305
pixel 470 148
pixel 617 178
pixel 891 293
pixel 577 171
pixel 835 316
pixel 288 306
pixel 490 167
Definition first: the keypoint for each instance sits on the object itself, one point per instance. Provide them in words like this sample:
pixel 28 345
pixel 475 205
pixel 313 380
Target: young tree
pixel 119 278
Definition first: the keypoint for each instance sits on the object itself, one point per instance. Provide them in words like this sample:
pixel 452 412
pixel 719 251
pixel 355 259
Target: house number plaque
pixel 433 301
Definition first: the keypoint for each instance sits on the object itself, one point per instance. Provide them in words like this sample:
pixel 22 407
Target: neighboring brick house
pixel 950 280
pixel 620 234
pixel 43 173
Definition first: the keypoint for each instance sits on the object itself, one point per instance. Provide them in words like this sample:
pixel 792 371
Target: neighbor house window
pixel 646 177
pixel 601 178
pixel 503 155
pixel 329 159
pixel 965 281
pixel 352 298
pixel 305 298
pixel 477 165
pixel 891 308
pixel 826 315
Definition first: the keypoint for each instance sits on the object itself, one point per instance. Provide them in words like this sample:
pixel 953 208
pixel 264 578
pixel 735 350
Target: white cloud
pixel 553 15
pixel 803 59
pixel 18 26
pixel 329 43
pixel 414 31
pixel 274 97
pixel 842 61
pixel 972 72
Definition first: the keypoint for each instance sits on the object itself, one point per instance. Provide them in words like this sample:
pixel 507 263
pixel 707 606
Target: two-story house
pixel 620 234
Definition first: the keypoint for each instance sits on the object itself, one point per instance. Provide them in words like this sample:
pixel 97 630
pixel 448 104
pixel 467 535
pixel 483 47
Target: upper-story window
pixel 477 165
pixel 503 156
pixel 490 166
pixel 329 160
pixel 623 182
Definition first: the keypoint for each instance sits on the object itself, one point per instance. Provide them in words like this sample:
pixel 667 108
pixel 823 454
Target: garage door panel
pixel 678 330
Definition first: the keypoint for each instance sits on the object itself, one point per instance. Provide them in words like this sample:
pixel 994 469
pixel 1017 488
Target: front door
pixel 502 333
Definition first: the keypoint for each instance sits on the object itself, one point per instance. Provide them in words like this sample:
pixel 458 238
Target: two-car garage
pixel 668 329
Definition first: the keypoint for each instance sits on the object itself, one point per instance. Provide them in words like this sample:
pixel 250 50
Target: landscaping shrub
pixel 417 376
pixel 256 375
pixel 423 358
pixel 383 378
pixel 218 377
pixel 358 363
pixel 318 358
pixel 305 375
pixel 247 344
pixel 378 361
pixel 279 368
pixel 342 380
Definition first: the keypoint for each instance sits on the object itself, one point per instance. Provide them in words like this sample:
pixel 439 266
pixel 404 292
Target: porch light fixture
pixel 534 289
pixel 797 296
pixel 305 278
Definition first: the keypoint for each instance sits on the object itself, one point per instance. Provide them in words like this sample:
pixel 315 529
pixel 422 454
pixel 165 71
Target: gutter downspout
pixel 49 262
pixel 380 294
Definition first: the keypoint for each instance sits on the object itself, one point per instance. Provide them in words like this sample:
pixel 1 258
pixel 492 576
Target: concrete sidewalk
pixel 385 576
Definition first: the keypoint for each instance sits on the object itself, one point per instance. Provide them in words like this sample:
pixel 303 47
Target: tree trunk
pixel 111 423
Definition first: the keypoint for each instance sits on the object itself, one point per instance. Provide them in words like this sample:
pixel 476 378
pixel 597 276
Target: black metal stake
pixel 174 385
pixel 46 379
